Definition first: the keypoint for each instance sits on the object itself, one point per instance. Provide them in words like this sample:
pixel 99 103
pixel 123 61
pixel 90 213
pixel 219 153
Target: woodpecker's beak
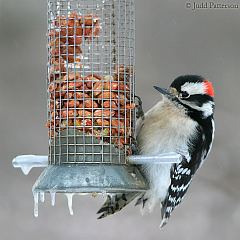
pixel 165 92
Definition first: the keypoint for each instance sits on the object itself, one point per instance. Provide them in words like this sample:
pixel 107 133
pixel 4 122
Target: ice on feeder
pixel 27 162
pixel 82 194
pixel 170 157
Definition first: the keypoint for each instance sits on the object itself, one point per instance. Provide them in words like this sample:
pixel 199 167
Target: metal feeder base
pixel 90 178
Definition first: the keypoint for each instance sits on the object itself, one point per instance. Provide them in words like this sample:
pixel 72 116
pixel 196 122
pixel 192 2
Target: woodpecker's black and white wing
pixel 181 174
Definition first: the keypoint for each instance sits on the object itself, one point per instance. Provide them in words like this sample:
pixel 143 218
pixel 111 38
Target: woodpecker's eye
pixel 184 95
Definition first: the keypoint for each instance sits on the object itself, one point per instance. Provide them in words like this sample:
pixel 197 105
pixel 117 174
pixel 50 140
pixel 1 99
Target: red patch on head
pixel 209 88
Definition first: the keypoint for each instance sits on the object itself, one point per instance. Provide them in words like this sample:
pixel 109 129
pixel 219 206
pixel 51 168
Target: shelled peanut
pixel 66 36
pixel 94 104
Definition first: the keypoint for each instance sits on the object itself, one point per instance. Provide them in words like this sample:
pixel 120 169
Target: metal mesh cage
pixel 91 77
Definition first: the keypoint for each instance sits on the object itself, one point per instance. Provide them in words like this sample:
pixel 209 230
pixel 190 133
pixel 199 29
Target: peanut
pixel 123 87
pixel 114 132
pixel 72 20
pixel 75 40
pixel 70 122
pixel 88 20
pixel 111 86
pixel 90 80
pixel 72 76
pixel 69 95
pixel 74 50
pixel 73 104
pixel 97 88
pixel 103 113
pixel 48 124
pixel 117 123
pixel 87 122
pixel 105 95
pixel 81 95
pixel 51 106
pixel 67 113
pixel 119 68
pixel 87 31
pixel 63 32
pixel 90 104
pixel 102 122
pixel 110 104
pixel 96 30
pixel 131 106
pixel 61 21
pixel 52 87
pixel 73 85
pixel 84 113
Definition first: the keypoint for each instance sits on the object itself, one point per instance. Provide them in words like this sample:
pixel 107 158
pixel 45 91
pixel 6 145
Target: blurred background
pixel 171 40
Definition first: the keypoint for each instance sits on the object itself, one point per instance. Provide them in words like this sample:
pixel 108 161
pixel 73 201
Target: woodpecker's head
pixel 193 93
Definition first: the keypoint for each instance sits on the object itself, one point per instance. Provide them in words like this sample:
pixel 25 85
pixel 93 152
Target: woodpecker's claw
pixel 141 201
pixel 116 203
pixel 134 146
pixel 139 112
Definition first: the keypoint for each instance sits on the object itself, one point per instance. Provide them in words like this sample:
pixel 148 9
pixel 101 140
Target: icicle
pixel 26 170
pixel 35 197
pixel 53 196
pixel 70 199
pixel 42 197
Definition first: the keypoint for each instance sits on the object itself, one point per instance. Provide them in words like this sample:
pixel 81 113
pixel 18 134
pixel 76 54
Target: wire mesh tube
pixel 91 109
pixel 91 77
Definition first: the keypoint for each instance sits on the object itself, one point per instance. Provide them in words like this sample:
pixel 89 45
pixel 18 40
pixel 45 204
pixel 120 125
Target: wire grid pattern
pixel 91 80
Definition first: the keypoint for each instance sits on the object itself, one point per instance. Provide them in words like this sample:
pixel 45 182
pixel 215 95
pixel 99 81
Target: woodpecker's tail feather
pixel 163 222
pixel 180 181
pixel 165 214
pixel 115 203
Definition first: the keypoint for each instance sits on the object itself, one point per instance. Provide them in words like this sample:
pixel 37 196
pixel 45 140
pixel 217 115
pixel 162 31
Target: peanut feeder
pixel 91 89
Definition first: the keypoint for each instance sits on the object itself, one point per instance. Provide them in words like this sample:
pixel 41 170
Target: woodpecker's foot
pixel 134 146
pixel 139 112
pixel 141 201
pixel 115 203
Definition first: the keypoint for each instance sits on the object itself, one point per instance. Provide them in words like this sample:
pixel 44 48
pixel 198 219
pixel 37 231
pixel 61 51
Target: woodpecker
pixel 181 122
